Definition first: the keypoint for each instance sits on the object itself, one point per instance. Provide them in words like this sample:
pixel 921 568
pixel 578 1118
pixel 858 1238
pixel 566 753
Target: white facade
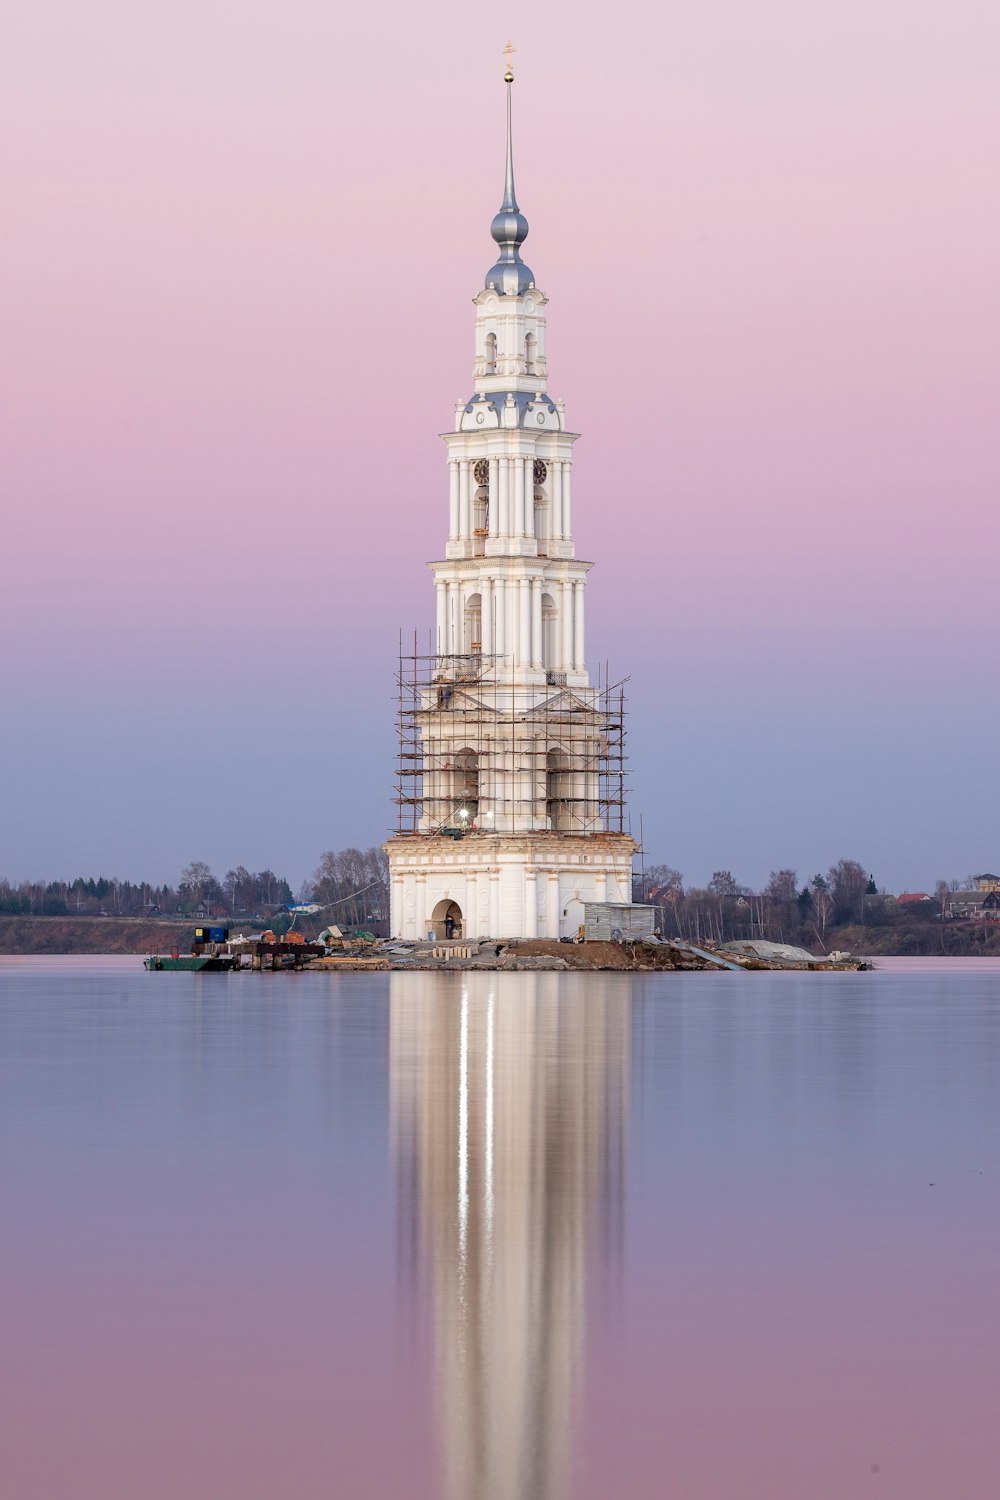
pixel 502 885
pixel 510 836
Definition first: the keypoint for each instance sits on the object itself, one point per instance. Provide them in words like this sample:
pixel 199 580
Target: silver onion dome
pixel 509 276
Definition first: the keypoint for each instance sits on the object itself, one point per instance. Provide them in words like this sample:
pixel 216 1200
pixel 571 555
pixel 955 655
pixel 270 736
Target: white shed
pixel 606 921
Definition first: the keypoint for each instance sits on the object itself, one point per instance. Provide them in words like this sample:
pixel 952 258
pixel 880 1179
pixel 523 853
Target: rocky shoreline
pixel 139 936
pixel 546 954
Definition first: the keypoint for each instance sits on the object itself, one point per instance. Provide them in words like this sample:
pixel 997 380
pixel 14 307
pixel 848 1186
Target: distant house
pixel 975 906
pixel 987 882
pixel 912 898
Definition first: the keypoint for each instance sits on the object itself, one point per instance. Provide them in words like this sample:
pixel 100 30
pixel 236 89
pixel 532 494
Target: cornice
pixel 545 567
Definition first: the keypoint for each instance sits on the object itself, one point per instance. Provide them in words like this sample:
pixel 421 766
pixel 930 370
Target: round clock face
pixel 540 471
pixel 481 473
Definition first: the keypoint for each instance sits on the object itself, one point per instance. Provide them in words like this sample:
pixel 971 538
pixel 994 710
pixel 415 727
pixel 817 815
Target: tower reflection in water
pixel 509 1095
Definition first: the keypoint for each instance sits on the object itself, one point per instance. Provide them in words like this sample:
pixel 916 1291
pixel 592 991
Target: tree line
pixel 811 914
pixel 85 897
pixel 351 886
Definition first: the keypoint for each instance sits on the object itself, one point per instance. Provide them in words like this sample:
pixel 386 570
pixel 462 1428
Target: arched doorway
pixel 572 918
pixel 444 911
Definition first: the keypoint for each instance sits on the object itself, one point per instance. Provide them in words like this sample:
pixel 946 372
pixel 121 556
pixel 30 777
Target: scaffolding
pixel 487 748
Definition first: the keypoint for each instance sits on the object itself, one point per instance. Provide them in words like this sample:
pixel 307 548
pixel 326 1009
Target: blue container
pixel 218 934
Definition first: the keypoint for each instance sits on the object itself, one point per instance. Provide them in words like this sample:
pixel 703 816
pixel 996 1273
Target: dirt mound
pixel 596 955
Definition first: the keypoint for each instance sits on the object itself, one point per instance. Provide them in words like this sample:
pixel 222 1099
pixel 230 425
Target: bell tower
pixel 511 764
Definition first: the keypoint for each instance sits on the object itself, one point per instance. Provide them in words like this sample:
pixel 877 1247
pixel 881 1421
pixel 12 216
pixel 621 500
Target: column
pixel 566 621
pixel 530 903
pixel 453 500
pixel 578 661
pixel 464 499
pixel 567 513
pixel 495 904
pixel 518 526
pixel 495 473
pixel 524 653
pixel 442 617
pixel 555 498
pixel 472 919
pixel 503 513
pixel 486 618
pixel 455 618
pixel 537 642
pixel 500 617
pixel 553 911
pixel 530 528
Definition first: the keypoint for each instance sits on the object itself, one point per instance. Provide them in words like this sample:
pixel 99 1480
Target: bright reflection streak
pixel 488 1152
pixel 510 1120
pixel 463 1149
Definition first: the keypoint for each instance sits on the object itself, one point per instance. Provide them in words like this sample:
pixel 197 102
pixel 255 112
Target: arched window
pixel 550 633
pixel 491 354
pixel 530 346
pixel 473 623
pixel 542 527
pixel 465 789
pixel 558 789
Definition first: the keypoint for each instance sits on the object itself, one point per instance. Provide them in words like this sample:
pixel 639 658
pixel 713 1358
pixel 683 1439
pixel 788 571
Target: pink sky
pixel 239 250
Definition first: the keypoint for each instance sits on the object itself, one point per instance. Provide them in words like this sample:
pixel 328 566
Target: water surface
pixel 499 1237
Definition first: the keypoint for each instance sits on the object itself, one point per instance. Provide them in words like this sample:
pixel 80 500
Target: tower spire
pixel 509 197
pixel 509 275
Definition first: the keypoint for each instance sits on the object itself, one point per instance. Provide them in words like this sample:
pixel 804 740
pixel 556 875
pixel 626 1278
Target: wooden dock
pixel 261 956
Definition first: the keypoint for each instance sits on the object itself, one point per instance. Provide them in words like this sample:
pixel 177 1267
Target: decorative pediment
pixel 541 414
pixel 564 702
pixel 478 415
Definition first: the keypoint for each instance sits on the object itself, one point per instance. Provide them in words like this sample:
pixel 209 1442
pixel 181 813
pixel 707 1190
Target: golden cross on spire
pixel 508 77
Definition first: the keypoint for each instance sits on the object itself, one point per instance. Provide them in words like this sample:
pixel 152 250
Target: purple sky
pixel 239 247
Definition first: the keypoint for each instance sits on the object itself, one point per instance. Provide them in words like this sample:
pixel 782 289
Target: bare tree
pixel 270 889
pixel 196 879
pixel 782 887
pixel 354 884
pixel 848 882
pixel 821 910
pixel 663 889
pixel 326 879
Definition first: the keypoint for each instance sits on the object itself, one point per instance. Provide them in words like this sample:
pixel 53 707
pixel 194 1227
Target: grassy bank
pixel 93 935
pixel 920 940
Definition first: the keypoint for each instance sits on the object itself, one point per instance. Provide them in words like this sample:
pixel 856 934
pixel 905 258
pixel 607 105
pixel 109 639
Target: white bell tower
pixel 511 765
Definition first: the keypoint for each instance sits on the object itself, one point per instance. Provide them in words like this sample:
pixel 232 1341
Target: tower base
pixel 522 885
